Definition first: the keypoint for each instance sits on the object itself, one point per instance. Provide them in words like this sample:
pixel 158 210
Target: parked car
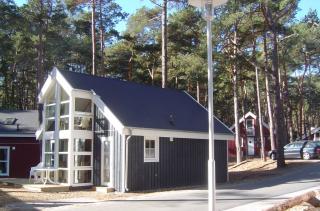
pixel 311 150
pixel 291 150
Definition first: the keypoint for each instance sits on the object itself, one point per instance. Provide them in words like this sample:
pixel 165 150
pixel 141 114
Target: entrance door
pixel 107 161
pixel 250 146
pixel 4 161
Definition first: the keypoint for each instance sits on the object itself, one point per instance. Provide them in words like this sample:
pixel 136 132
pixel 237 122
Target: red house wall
pixel 24 153
pixel 243 134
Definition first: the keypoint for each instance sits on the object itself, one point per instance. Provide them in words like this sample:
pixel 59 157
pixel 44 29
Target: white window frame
pixel 77 168
pixel 156 145
pixel 52 152
pixel 6 161
pixel 111 140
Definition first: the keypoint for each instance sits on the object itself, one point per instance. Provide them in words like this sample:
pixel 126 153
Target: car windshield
pixel 310 144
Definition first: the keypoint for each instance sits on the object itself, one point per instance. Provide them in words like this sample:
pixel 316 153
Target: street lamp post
pixel 207 6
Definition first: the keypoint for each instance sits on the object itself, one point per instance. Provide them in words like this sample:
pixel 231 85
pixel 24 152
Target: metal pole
pixel 211 161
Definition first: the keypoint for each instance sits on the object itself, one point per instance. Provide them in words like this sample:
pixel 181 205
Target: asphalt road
pixel 228 195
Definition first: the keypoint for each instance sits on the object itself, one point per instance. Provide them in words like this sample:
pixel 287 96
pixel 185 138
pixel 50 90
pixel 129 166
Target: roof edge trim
pixel 107 112
pixel 176 133
pixel 207 111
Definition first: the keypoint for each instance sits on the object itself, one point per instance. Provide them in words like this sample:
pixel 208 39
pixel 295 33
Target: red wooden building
pixel 249 136
pixel 314 134
pixel 19 149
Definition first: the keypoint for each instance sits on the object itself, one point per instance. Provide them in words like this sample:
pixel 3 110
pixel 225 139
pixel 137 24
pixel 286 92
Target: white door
pixel 107 161
pixel 4 161
pixel 250 146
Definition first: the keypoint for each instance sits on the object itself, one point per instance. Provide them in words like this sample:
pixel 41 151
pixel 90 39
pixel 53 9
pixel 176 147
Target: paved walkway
pixel 251 195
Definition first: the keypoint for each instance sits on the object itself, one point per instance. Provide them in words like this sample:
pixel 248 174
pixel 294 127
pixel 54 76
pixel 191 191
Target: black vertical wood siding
pixel 182 162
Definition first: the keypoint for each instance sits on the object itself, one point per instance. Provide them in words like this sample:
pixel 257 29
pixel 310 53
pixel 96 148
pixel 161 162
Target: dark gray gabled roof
pixel 142 106
pixel 18 122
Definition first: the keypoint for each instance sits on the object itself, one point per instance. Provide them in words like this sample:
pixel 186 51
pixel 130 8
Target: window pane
pixel 63 176
pixel 147 144
pixel 51 97
pixel 64 109
pixel 63 145
pixel 49 145
pixel 82 123
pixel 152 153
pixel 3 154
pixel 50 110
pixel 50 124
pixel 250 123
pixel 82 145
pixel 82 105
pixel 82 160
pixel 63 161
pixel 49 160
pixel 63 95
pixel 3 168
pixel 64 123
pixel 82 176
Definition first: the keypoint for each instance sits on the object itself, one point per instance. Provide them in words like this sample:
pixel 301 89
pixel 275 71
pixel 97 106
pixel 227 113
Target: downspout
pixel 126 164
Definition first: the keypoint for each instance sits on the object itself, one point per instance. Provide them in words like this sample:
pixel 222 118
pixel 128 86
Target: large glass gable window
pixel 64 110
pixel 83 114
pixel 83 160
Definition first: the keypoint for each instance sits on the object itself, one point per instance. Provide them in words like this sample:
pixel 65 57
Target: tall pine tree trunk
pixel 93 36
pixel 198 91
pixel 263 157
pixel 101 32
pixel 164 37
pixel 262 149
pixel 235 97
pixel 280 129
pixel 269 103
pixel 40 49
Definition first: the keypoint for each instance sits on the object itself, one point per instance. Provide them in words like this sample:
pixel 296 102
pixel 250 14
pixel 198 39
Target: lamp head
pixel 201 3
pixel 207 6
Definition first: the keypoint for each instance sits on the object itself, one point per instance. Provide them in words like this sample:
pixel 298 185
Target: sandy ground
pixel 250 169
pixel 11 194
pixel 256 168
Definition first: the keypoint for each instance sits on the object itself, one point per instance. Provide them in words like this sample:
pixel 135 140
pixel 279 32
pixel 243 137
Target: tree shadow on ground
pixel 6 199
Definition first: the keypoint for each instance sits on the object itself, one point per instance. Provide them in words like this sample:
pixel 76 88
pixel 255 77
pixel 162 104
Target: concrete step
pixel 103 189
pixel 46 188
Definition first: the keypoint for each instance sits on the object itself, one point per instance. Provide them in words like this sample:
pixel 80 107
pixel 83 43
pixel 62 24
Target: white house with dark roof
pixel 127 136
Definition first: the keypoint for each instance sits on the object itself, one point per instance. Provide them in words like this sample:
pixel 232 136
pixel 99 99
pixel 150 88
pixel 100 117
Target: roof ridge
pixel 124 81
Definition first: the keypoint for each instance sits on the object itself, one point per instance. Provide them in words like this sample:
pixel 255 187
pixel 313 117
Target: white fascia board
pixel 107 113
pixel 176 134
pixel 38 133
pixel 46 86
pixel 54 75
pixel 12 135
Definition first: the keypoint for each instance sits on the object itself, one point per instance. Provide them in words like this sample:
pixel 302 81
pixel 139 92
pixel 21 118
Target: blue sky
pixel 130 6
